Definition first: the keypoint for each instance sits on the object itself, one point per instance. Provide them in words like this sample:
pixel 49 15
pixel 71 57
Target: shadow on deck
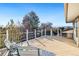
pixel 65 40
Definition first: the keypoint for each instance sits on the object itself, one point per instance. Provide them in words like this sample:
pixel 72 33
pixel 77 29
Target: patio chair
pixel 12 47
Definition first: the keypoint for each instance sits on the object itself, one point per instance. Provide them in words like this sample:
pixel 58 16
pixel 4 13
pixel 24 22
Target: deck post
pixel 27 36
pixel 51 32
pixel 35 33
pixel 45 32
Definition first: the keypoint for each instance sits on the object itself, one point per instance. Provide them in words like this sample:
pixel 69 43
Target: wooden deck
pixel 58 45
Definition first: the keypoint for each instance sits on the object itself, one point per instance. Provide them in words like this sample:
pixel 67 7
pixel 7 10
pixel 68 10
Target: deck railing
pixel 19 36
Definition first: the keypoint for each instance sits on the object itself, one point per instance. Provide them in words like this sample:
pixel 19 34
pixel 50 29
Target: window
pixel 76 27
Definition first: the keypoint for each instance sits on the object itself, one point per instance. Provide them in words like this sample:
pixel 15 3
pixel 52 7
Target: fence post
pixel 45 32
pixel 35 33
pixel 27 36
pixel 41 32
pixel 57 31
pixel 7 34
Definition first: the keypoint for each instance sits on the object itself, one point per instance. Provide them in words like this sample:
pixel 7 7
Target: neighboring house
pixel 68 34
pixel 72 16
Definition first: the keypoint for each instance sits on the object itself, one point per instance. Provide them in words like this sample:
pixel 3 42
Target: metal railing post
pixel 38 52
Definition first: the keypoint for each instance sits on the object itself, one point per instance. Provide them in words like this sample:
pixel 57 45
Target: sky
pixel 47 12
